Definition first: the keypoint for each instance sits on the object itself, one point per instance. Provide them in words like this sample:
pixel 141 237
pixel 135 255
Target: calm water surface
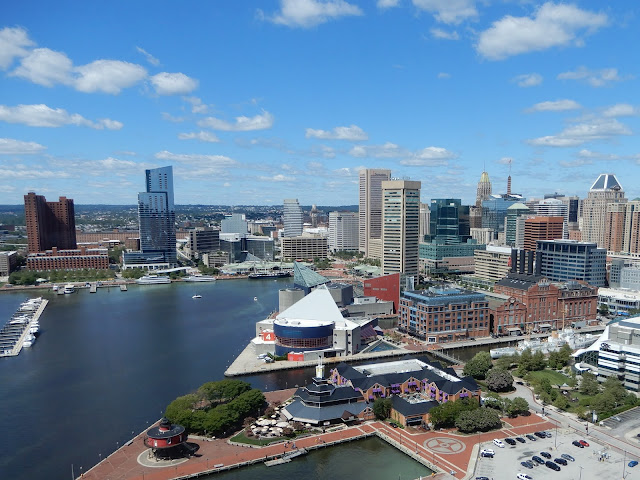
pixel 106 365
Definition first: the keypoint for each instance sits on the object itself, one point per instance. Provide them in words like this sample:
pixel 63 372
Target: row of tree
pixel 216 407
pixel 480 367
pixel 28 277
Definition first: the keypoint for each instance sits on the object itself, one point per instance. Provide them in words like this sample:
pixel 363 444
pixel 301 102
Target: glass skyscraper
pixel 157 216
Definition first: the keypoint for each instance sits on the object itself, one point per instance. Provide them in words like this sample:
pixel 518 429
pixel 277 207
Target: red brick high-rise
pixel 541 228
pixel 49 224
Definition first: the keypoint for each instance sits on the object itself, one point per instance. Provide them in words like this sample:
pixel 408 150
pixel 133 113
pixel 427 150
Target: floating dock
pixel 93 288
pixel 16 330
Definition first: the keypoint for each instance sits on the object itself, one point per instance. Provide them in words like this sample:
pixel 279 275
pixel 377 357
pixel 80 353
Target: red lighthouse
pixel 166 438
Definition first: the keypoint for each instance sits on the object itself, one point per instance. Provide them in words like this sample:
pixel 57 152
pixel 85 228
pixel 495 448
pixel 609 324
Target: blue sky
pixel 256 101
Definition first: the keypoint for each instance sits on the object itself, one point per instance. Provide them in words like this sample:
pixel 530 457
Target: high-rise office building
pixel 157 216
pixel 400 226
pixel 604 191
pixel 449 221
pixel 343 231
pixel 510 224
pixel 292 218
pixel 554 207
pixel 49 224
pixel 483 192
pixel 234 223
pixel 564 260
pixel 370 208
pixel 541 228
pixel 425 219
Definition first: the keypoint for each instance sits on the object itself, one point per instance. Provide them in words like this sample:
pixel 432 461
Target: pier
pixel 13 335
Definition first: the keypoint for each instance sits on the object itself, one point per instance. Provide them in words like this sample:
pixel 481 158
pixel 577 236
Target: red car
pixel 584 443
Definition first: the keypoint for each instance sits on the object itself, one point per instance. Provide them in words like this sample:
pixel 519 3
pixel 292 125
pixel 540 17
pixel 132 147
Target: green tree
pixel 603 403
pixel 615 387
pixel 561 402
pixel 537 361
pixel 445 414
pixel 505 363
pixel 478 420
pixel 180 410
pixel 518 406
pixel 478 366
pixel 603 309
pixel 499 380
pixel 382 408
pixel 589 384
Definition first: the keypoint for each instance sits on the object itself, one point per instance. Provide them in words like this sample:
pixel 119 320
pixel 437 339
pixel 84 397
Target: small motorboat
pixel 197 296
pixel 255 299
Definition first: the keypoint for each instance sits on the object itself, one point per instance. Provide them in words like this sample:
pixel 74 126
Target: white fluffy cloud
pixel 196 105
pixel 43 116
pixel 13 43
pixel 448 11
pixel 444 35
pixel 277 178
pixel 173 83
pixel 261 121
pixel 555 106
pixel 388 150
pixel 595 78
pixel 10 146
pixel 387 3
pixel 108 76
pixel 150 58
pixel 351 133
pixel 581 133
pixel 528 80
pixel 309 13
pixel 201 136
pixel 429 157
pixel 552 25
pixel 621 110
pixel 45 67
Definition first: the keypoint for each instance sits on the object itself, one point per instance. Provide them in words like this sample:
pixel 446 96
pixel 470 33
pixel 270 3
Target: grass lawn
pixel 554 377
pixel 242 438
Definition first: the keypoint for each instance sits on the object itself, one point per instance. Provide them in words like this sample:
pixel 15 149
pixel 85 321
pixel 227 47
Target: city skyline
pixel 259 101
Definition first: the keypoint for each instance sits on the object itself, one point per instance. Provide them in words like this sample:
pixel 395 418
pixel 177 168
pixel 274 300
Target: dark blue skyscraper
pixel 157 215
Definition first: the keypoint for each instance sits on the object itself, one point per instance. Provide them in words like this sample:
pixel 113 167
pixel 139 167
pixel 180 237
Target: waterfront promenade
pixel 451 455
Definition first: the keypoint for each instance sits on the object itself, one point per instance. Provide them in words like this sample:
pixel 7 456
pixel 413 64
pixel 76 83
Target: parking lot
pixel 587 466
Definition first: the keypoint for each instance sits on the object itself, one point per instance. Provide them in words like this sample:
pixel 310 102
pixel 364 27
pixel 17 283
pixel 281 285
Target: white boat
pixel 197 296
pixel 55 288
pixel 552 344
pixel 200 278
pixel 69 288
pixel 29 340
pixel 153 280
pixel 255 299
pixel 34 328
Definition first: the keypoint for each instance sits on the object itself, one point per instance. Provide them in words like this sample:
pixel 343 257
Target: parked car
pixel 548 434
pixel 552 465
pixel 498 443
pixel 521 440
pixel 545 454
pixel 633 463
pixel 487 451
pixel 482 478
pixel 540 434
pixel 530 437
pixel 510 441
pixel 520 383
pixel 561 461
pixel 584 443
pixel 537 459
pixel 577 444
pixel 487 455
pixel 566 456
pixel 527 464
pixel 524 476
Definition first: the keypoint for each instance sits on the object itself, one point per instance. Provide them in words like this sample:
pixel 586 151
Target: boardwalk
pixel 443 450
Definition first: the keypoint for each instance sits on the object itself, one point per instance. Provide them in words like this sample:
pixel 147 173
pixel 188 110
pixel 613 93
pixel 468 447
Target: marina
pixel 22 327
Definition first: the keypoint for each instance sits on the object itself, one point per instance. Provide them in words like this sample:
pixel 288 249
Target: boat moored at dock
pixel 200 278
pixel 21 329
pixel 69 288
pixel 153 280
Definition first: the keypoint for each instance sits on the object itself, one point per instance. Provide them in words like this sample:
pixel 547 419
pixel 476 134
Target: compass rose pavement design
pixel 445 445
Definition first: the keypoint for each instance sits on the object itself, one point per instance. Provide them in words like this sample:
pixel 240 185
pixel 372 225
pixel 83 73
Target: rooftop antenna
pixel 509 178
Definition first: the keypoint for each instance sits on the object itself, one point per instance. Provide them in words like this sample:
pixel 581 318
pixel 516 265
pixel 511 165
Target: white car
pixel 524 476
pixel 487 451
pixel 498 443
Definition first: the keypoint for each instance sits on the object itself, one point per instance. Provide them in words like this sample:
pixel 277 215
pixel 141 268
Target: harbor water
pixel 106 364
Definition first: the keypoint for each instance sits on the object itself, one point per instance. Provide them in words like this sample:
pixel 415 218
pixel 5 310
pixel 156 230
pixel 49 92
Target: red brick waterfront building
pixel 386 287
pixel 547 305
pixel 76 259
pixel 49 224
